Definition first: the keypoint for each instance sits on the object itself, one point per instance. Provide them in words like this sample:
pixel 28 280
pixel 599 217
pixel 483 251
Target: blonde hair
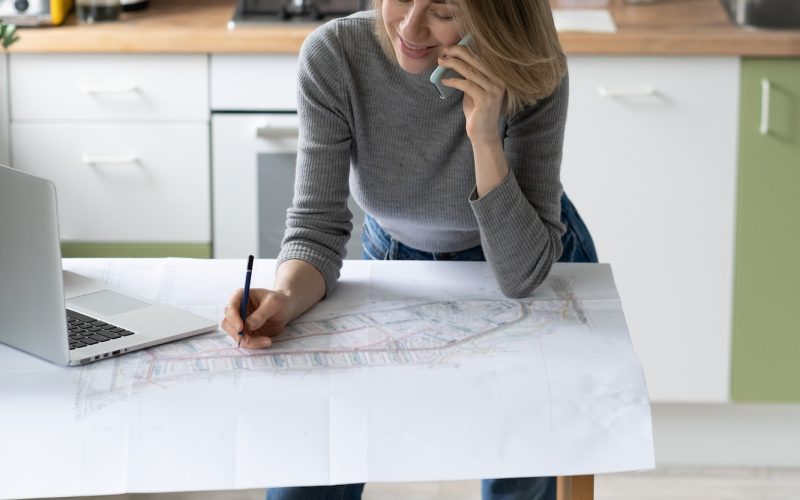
pixel 515 39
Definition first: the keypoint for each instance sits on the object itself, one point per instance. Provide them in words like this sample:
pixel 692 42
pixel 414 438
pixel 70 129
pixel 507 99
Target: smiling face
pixel 419 30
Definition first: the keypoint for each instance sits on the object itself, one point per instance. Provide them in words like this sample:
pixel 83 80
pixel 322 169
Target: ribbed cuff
pixel 325 265
pixel 513 237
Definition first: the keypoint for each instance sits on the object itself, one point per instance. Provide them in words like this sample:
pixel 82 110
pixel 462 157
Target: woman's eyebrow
pixel 449 3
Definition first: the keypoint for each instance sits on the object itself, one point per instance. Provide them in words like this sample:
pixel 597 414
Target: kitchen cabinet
pixel 126 141
pixel 766 326
pixel 649 161
pixel 5 153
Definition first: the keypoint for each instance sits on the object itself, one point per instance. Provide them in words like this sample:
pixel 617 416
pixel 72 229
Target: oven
pixel 254 129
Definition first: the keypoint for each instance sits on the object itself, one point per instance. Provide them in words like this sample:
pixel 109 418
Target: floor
pixel 665 483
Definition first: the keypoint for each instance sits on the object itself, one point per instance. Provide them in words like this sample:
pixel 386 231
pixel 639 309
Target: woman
pixel 473 177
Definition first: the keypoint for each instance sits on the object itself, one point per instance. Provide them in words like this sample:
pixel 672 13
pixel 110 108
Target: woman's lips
pixel 413 53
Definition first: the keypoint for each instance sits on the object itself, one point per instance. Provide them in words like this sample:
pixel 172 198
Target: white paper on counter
pixel 408 371
pixel 584 20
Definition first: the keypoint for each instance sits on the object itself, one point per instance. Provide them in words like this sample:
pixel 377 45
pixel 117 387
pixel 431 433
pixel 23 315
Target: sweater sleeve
pixel 318 225
pixel 520 219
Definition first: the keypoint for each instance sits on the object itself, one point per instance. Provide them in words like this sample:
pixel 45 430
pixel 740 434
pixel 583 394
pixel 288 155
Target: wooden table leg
pixel 575 488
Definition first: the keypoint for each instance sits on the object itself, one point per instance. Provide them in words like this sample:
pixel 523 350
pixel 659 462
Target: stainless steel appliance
pixel 34 12
pixel 765 14
pixel 282 11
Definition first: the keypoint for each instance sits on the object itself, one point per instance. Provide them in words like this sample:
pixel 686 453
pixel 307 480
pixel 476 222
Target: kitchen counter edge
pixel 668 27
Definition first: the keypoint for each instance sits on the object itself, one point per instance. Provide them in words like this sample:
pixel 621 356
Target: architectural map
pixel 421 332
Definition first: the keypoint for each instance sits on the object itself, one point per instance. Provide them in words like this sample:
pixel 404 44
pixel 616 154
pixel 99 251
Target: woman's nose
pixel 413 24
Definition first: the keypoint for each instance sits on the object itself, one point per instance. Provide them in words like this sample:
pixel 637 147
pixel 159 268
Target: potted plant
pixel 8 34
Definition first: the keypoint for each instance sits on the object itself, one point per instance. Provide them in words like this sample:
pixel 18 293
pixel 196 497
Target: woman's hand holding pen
pixel 268 312
pixel 298 286
pixel 483 93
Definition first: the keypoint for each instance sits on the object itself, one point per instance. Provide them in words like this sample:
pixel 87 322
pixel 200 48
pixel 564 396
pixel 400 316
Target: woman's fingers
pixel 461 60
pixel 465 70
pixel 265 318
pixel 249 340
pixel 268 306
pixel 233 319
pixel 255 341
pixel 230 330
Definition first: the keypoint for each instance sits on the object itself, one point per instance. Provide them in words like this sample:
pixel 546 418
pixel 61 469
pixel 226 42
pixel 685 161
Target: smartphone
pixel 441 72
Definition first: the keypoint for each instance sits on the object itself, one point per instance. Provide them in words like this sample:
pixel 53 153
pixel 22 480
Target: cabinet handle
pixel 110 89
pixel 110 160
pixel 270 132
pixel 763 128
pixel 645 91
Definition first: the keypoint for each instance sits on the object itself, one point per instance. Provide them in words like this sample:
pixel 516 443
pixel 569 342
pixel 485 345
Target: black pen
pixel 243 310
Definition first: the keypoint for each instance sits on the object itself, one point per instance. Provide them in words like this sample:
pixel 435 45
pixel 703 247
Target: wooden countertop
pixel 664 27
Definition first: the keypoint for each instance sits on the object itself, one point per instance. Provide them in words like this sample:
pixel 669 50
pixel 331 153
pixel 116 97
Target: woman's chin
pixel 414 67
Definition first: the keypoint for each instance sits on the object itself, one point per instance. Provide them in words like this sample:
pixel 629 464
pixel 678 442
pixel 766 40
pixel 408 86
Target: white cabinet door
pixel 109 87
pixel 122 182
pixel 5 155
pixel 650 163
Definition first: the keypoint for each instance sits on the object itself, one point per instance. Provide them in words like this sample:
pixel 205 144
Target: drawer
pixel 108 87
pixel 253 82
pixel 122 183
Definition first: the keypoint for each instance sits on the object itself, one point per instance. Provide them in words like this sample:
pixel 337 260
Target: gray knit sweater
pixel 410 165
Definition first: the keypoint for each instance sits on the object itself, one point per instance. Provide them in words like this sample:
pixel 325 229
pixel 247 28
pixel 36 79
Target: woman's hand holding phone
pixel 445 92
pixel 483 91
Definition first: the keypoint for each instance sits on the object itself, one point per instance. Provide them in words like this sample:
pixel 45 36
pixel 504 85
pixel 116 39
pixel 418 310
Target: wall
pixel 727 435
pixel 5 156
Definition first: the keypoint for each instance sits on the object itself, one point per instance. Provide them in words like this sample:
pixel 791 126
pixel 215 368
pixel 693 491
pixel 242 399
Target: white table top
pixel 408 371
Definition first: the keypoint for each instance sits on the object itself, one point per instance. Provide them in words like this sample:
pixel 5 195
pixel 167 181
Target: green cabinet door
pixel 766 322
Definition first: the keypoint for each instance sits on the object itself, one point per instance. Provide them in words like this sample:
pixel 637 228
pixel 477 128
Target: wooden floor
pixel 665 483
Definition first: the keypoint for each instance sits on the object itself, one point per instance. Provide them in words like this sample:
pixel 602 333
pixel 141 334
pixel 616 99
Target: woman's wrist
pixel 490 142
pixel 301 284
pixel 491 166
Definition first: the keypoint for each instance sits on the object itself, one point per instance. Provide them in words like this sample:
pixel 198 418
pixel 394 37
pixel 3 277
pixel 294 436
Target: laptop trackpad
pixel 108 303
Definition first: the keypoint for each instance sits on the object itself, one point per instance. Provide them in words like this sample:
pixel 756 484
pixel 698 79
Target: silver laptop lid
pixel 31 289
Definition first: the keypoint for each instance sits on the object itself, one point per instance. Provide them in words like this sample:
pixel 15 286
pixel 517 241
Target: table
pixel 408 371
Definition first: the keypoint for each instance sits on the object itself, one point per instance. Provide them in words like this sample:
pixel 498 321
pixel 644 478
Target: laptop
pixel 62 316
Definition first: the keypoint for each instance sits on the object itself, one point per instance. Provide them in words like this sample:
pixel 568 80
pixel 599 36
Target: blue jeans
pixel 576 241
pixel 377 244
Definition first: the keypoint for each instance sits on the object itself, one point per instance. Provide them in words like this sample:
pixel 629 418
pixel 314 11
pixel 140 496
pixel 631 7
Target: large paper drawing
pixel 408 371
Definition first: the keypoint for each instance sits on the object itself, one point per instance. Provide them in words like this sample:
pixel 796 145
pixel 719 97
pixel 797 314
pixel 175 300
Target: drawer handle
pixel 110 89
pixel 110 160
pixel 270 132
pixel 763 127
pixel 645 91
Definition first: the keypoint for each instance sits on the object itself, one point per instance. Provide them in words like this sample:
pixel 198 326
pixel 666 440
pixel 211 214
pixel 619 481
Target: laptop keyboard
pixel 84 330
